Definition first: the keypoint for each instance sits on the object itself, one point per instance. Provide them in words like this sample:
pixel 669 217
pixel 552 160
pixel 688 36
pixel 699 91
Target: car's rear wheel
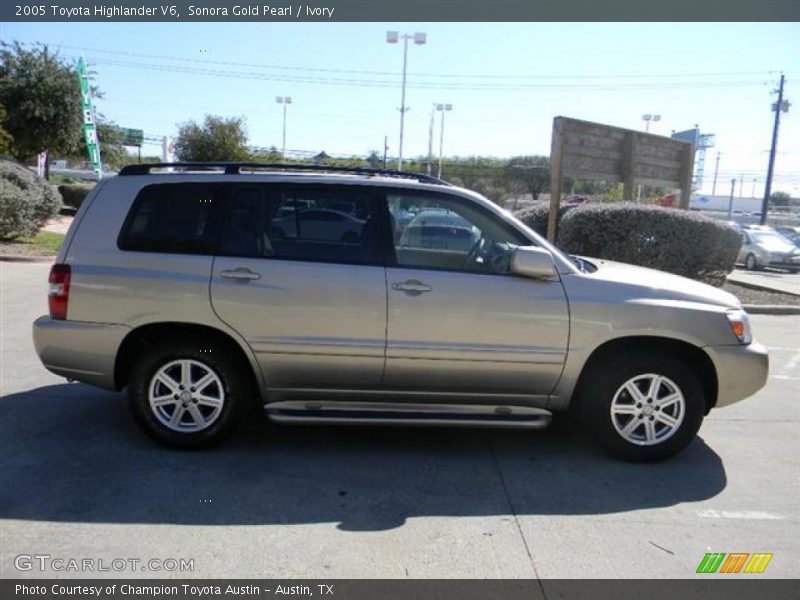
pixel 643 408
pixel 750 262
pixel 185 395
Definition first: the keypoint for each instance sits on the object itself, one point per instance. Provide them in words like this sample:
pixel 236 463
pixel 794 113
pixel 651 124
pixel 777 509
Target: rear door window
pixel 298 223
pixel 175 218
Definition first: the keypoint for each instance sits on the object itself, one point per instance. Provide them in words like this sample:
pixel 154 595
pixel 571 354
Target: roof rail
pixel 235 168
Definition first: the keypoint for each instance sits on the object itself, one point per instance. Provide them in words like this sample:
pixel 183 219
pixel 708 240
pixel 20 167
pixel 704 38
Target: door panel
pixel 309 324
pixel 458 320
pixel 310 300
pixel 474 332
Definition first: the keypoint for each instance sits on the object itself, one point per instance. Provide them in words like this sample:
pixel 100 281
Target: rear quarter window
pixel 175 218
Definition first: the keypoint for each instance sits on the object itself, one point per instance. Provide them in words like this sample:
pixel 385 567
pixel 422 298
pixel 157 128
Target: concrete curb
pixel 758 286
pixel 772 309
pixel 26 259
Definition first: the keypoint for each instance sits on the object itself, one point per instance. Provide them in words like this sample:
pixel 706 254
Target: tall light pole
pixel 430 140
pixel 753 195
pixel 286 101
pixel 716 172
pixel 443 108
pixel 392 37
pixel 730 200
pixel 647 119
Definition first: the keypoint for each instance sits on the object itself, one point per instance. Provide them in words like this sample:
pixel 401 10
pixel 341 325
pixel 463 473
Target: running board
pixel 406 413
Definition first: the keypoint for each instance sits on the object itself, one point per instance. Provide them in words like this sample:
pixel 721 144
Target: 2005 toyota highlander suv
pixel 205 288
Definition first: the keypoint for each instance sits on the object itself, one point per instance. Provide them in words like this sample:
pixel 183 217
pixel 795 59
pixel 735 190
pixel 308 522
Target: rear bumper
pixel 82 351
pixel 741 371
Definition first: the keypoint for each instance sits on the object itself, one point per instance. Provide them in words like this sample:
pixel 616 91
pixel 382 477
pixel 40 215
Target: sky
pixel 506 82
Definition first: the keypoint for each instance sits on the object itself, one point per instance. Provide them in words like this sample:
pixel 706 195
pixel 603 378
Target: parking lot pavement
pixel 80 482
pixel 779 281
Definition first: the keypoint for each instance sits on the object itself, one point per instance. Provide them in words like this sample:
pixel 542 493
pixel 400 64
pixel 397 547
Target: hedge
pixel 26 202
pixel 73 195
pixel 667 239
pixel 535 216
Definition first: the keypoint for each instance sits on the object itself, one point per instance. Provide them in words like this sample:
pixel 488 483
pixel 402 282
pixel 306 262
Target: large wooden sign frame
pixel 586 150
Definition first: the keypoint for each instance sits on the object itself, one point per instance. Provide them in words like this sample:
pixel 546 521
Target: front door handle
pixel 412 287
pixel 241 274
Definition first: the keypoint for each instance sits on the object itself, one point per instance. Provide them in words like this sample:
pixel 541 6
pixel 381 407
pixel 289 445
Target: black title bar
pixel 397 10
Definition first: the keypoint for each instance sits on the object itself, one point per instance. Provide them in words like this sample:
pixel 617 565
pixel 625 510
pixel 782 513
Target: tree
pixel 530 173
pixel 112 151
pixel 6 140
pixel 779 199
pixel 43 100
pixel 217 139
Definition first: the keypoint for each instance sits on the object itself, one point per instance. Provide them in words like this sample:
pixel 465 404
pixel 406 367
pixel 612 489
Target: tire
pixel 610 381
pixel 750 262
pixel 208 414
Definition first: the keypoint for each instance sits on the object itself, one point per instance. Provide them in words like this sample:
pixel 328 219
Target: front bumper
pixel 78 350
pixel 741 371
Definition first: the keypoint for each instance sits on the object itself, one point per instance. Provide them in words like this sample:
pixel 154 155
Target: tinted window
pixel 302 224
pixel 438 232
pixel 174 218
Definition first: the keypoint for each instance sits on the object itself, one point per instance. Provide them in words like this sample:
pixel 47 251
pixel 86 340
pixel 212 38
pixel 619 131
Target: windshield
pixel 770 237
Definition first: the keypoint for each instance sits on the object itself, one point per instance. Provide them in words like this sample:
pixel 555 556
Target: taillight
pixel 58 296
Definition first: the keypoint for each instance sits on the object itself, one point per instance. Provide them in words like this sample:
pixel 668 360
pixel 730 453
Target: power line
pixel 377 83
pixel 183 59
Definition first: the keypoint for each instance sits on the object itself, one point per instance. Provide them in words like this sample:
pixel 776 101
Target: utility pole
pixel 730 200
pixel 716 172
pixel 385 149
pixel 741 184
pixel 754 188
pixel 778 107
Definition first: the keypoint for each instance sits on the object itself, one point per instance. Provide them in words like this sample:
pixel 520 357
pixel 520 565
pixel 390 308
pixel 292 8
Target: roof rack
pixel 235 168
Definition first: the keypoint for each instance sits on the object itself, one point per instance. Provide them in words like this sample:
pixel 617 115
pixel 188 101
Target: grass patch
pixel 45 243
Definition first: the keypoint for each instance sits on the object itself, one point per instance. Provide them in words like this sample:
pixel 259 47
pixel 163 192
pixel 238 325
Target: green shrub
pixel 668 239
pixel 73 195
pixel 535 216
pixel 26 202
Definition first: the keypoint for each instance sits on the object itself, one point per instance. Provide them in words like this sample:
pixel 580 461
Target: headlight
pixel 740 325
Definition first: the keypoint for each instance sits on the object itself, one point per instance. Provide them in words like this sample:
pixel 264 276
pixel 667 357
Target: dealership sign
pixel 89 125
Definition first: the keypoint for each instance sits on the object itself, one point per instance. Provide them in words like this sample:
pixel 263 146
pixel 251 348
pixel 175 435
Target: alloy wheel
pixel 186 395
pixel 647 409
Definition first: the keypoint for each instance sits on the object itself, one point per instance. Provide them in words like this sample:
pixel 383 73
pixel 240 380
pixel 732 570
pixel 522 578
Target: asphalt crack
pixel 516 521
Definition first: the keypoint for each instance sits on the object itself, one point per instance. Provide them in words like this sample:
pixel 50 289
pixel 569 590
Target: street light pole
pixel 286 101
pixel 647 119
pixel 730 200
pixel 443 108
pixel 430 140
pixel 716 172
pixel 392 37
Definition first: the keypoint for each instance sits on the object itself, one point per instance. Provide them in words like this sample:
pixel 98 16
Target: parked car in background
pixel 320 224
pixel 440 229
pixel 790 233
pixel 762 246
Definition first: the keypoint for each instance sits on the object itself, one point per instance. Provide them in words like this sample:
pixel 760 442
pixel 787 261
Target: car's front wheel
pixel 187 394
pixel 750 262
pixel 643 408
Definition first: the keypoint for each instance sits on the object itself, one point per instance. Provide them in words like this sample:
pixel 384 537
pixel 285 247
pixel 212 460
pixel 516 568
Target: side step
pixel 406 413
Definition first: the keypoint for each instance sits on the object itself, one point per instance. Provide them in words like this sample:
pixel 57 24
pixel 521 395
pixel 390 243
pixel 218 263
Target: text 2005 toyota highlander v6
pixel 374 297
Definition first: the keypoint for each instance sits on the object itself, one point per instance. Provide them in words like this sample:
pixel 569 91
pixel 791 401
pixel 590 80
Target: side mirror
pixel 534 262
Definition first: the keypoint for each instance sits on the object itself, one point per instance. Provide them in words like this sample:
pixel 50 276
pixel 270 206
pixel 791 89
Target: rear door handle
pixel 241 274
pixel 412 287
